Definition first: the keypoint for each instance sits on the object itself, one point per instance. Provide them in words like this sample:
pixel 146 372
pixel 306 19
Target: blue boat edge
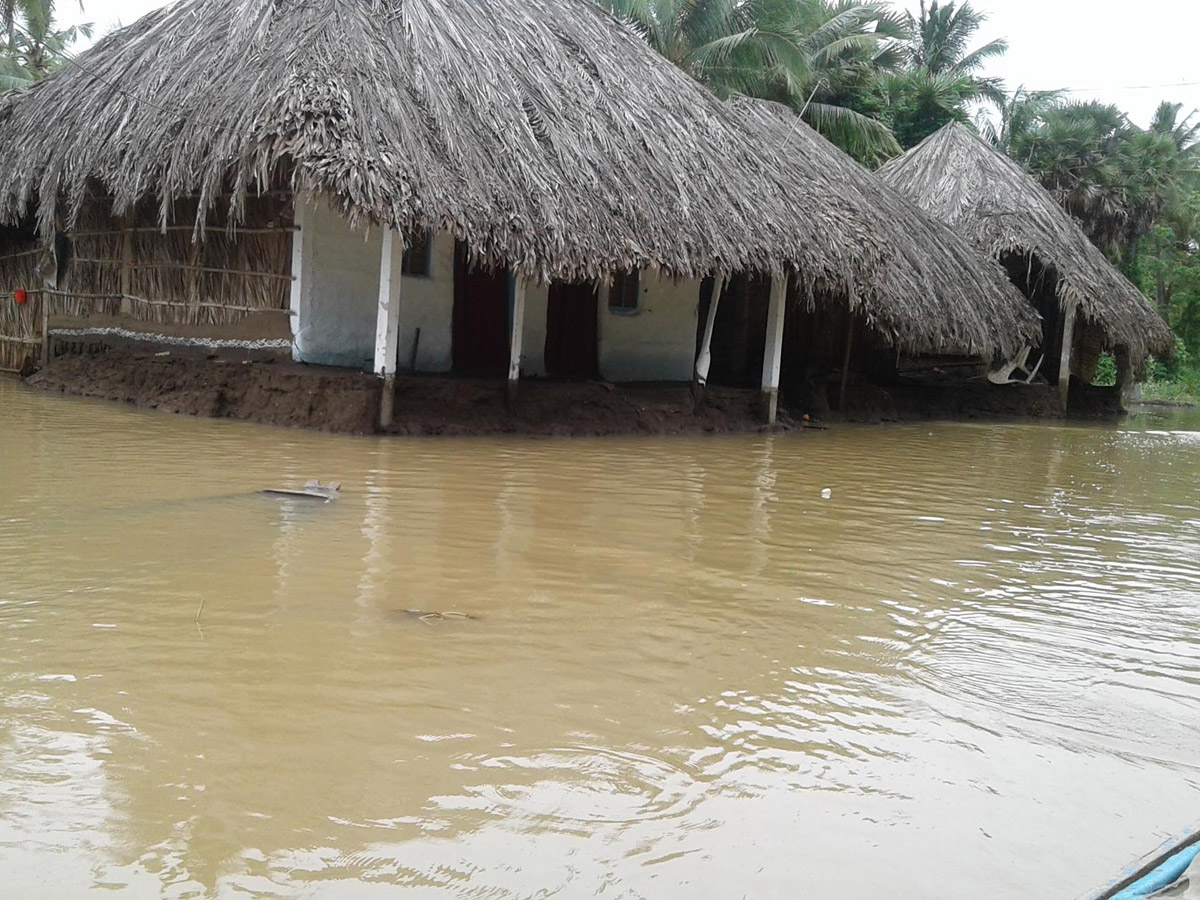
pixel 1156 870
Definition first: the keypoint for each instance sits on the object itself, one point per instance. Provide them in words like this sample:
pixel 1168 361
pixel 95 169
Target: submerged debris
pixel 312 489
pixel 429 617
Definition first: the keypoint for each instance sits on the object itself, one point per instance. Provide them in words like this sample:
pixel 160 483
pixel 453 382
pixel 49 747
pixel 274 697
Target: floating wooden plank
pixel 312 490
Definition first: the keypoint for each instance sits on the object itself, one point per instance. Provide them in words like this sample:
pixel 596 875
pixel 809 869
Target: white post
pixel 299 251
pixel 1064 363
pixel 516 329
pixel 773 352
pixel 387 322
pixel 704 358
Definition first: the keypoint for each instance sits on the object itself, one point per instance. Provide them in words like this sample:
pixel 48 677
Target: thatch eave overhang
pixel 934 293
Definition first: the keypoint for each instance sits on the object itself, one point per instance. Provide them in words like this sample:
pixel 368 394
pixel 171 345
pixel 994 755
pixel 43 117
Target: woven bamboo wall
pixel 20 325
pixel 131 266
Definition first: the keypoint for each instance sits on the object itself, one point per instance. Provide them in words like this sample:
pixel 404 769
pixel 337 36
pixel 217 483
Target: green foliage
pixel 1168 269
pixel 34 45
pixel 1176 380
pixel 1020 116
pixel 1112 176
pixel 1106 371
pixel 916 103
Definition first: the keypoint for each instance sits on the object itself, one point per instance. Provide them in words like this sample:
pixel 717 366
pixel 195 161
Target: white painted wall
pixel 656 343
pixel 533 341
pixel 428 303
pixel 339 290
pixel 338 293
pixel 337 301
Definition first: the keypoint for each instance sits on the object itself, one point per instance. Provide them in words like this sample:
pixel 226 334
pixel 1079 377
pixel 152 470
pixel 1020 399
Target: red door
pixel 571 332
pixel 479 342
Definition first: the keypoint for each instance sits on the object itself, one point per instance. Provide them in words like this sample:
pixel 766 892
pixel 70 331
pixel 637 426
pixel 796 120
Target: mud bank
pixel 954 399
pixel 278 392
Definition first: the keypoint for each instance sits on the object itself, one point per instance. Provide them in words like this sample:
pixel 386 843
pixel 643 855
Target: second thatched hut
pixel 948 290
pixel 1087 306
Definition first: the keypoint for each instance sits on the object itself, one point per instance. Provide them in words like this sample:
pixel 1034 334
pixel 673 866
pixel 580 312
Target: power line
pixel 1088 90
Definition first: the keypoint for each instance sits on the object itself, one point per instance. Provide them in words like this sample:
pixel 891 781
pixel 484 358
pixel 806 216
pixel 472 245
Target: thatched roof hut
pixel 954 291
pixel 544 133
pixel 990 200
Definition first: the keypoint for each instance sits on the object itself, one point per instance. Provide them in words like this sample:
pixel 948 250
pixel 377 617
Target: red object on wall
pixel 20 296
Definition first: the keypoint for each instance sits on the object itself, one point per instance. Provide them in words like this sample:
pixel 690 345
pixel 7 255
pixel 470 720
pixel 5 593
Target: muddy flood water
pixel 972 671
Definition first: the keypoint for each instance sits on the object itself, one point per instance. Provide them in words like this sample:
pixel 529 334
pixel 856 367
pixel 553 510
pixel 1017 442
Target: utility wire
pixel 1115 87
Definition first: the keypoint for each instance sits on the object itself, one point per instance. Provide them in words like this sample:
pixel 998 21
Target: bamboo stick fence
pixel 145 273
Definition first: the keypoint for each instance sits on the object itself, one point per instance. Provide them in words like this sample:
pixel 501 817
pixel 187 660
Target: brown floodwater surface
pixel 973 670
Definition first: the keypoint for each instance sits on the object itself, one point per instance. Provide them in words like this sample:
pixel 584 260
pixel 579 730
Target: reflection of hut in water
pixel 417 186
pixel 933 294
pixel 1086 305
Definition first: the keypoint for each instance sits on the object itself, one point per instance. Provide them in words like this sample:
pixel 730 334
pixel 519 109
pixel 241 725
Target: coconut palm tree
pixel 940 75
pixel 815 55
pixel 849 44
pixel 938 43
pixel 1185 134
pixel 34 45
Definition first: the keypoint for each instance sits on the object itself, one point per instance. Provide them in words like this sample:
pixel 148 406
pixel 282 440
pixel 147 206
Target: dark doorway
pixel 740 330
pixel 1039 284
pixel 479 343
pixel 571 331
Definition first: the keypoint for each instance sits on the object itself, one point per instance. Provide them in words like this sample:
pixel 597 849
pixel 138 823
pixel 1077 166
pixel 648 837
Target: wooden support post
pixel 300 250
pixel 773 352
pixel 126 265
pixel 704 357
pixel 46 331
pixel 194 273
pixel 412 357
pixel 1064 363
pixel 1125 376
pixel 846 360
pixel 516 329
pixel 50 288
pixel 387 322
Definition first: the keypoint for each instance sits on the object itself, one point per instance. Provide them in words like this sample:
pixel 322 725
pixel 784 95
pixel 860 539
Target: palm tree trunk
pixel 1161 296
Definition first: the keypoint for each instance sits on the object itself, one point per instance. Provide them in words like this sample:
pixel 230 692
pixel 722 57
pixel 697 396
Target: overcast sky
pixel 1103 49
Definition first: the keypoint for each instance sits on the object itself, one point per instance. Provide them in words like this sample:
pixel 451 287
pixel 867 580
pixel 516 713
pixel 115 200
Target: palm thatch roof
pixel 990 200
pixel 957 292
pixel 543 132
